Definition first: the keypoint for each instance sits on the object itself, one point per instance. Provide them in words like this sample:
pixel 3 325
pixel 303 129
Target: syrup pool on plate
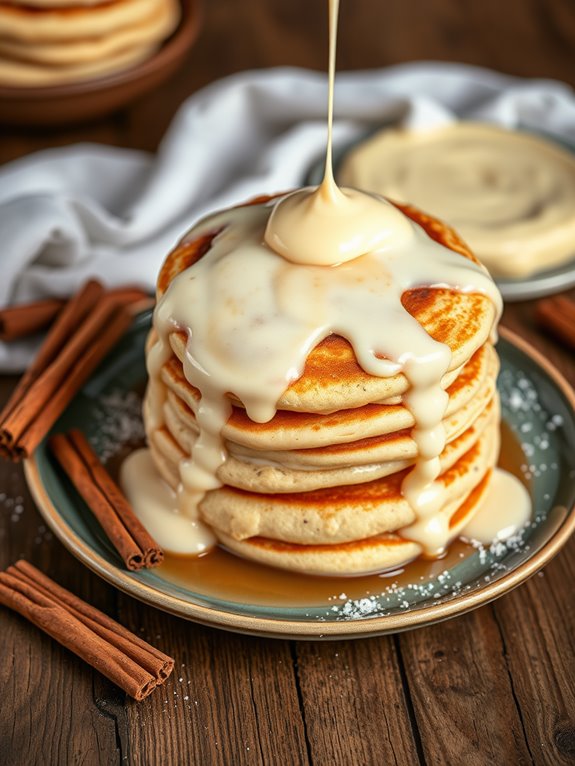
pixel 225 576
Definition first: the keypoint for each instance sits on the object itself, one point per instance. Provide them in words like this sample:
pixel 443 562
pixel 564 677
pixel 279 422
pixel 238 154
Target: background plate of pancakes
pixel 538 413
pixel 542 283
pixel 71 60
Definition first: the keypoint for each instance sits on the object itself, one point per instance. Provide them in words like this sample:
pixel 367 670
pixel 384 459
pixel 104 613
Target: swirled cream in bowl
pixel 509 194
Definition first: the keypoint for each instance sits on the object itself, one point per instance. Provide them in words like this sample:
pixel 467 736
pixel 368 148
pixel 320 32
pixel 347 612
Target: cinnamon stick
pixel 20 321
pixel 105 499
pixel 87 328
pixel 121 656
pixel 71 316
pixel 557 314
pixel 28 318
pixel 133 298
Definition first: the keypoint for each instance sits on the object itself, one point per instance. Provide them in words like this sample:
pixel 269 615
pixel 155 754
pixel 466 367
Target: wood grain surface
pixel 496 686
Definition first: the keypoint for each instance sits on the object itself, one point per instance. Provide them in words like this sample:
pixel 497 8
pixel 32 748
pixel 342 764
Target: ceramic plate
pixel 543 283
pixel 538 407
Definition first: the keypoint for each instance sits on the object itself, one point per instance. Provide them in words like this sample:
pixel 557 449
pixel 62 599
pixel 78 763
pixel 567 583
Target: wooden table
pixel 493 687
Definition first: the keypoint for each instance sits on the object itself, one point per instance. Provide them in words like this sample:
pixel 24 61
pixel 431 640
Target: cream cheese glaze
pixel 278 278
pixel 156 505
pixel 252 318
pixel 281 276
pixel 509 194
pixel 504 510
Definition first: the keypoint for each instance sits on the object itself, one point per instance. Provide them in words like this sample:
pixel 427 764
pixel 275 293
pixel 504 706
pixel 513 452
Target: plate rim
pixel 313 628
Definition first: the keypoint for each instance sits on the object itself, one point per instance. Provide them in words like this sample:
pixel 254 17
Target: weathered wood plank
pixel 48 712
pixel 354 704
pixel 537 624
pixel 535 40
pixel 15 142
pixel 462 694
pixel 231 698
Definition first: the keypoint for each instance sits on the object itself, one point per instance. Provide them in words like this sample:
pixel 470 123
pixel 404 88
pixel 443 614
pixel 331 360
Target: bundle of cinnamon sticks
pixel 124 658
pixel 85 329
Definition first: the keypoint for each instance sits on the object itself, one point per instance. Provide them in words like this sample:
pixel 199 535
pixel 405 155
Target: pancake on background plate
pixel 49 42
pixel 318 487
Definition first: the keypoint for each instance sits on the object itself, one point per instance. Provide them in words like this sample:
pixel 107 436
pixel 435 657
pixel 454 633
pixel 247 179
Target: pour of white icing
pixel 253 318
pixel 326 226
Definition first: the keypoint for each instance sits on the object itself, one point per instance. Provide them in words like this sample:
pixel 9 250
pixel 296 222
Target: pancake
pixel 51 4
pixel 263 474
pixel 309 403
pixel 298 430
pixel 345 513
pixel 24 74
pixel 396 445
pixel 360 557
pixel 49 24
pixel 149 30
pixel 318 487
pixel 45 44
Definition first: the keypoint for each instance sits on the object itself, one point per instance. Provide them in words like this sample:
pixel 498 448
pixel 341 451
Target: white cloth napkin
pixel 86 210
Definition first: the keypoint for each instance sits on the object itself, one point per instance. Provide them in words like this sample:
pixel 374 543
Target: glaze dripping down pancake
pixel 318 487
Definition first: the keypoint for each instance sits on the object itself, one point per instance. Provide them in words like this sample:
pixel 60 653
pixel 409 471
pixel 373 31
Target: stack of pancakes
pixel 48 42
pixel 318 488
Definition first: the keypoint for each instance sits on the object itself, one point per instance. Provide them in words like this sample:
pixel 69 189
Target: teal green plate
pixel 538 406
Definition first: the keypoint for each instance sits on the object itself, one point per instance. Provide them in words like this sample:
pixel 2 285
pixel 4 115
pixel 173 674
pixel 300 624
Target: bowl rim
pixel 177 44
